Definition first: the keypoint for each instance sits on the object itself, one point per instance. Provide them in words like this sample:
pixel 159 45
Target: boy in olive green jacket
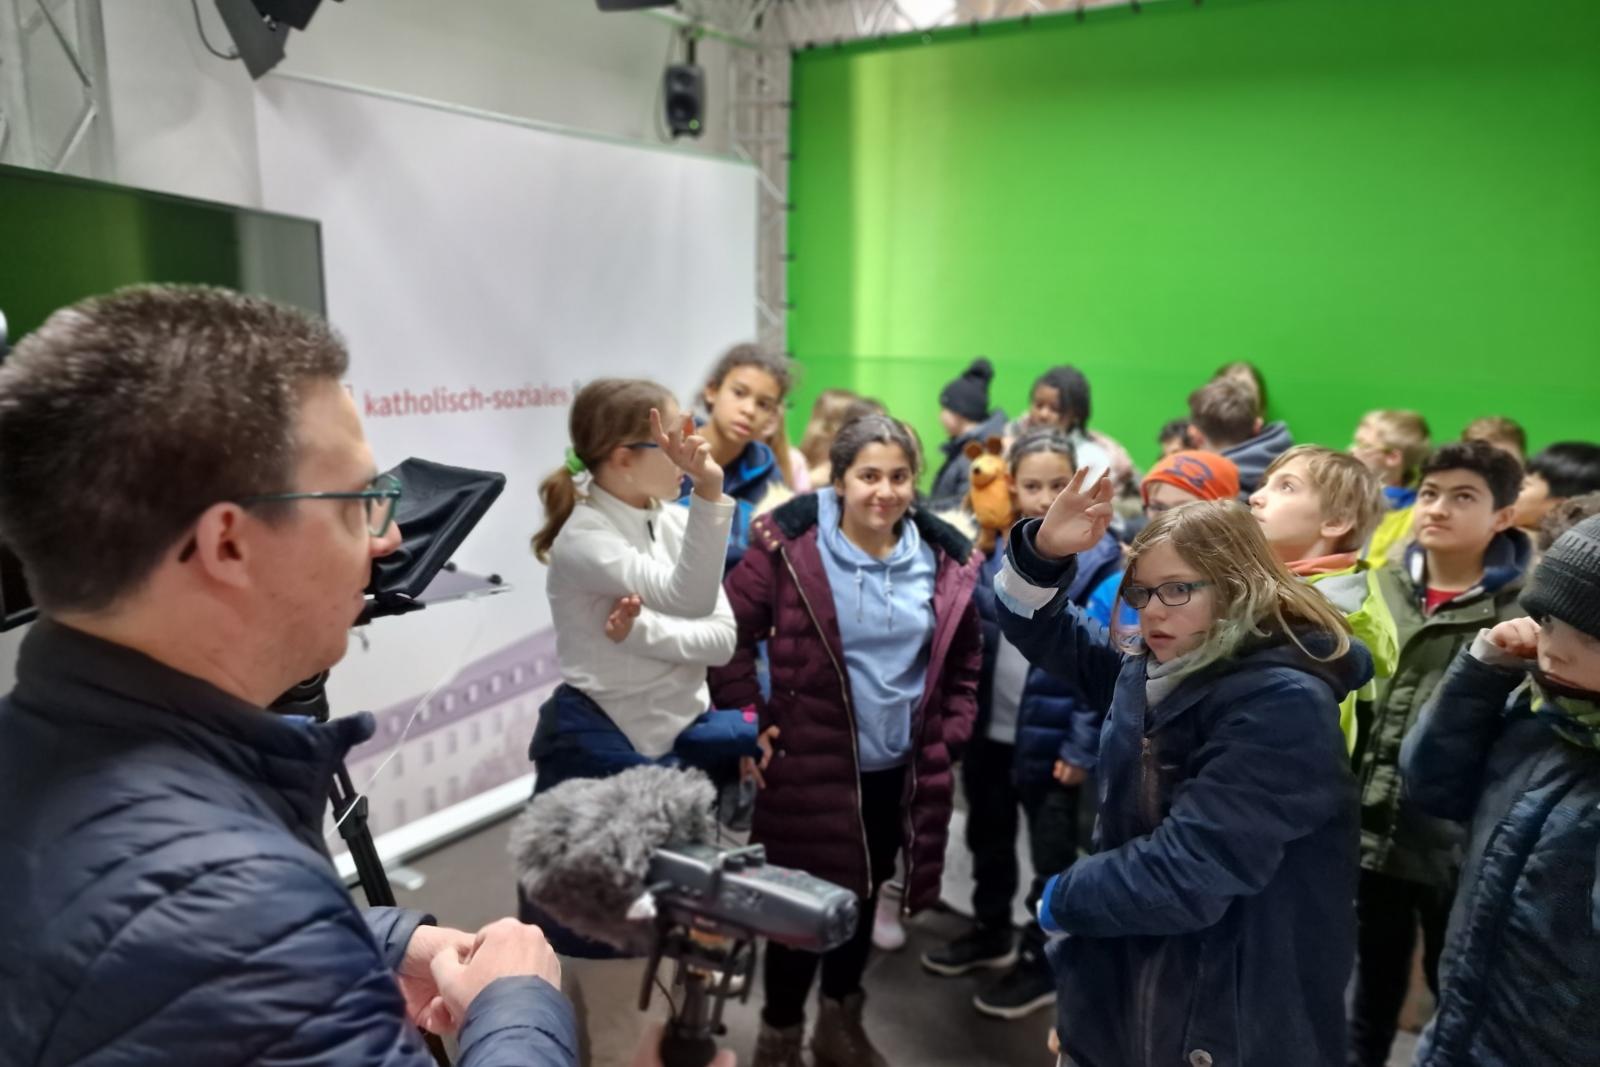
pixel 1462 573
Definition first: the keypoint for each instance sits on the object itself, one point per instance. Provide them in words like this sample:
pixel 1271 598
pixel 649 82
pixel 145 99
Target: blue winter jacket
pixel 1521 966
pixel 166 896
pixel 748 480
pixel 1056 721
pixel 1215 924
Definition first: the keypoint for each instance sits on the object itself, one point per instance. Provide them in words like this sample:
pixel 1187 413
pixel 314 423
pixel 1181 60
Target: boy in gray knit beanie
pixel 1566 586
pixel 1510 743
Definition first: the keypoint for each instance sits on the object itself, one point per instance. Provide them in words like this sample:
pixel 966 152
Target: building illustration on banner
pixel 472 736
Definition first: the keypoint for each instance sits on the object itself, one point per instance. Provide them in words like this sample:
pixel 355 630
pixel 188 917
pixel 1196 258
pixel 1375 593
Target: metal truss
pixel 800 23
pixel 758 117
pixel 764 35
pixel 53 113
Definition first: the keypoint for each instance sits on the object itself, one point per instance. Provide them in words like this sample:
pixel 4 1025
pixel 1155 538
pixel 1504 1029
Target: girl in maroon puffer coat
pixel 874 645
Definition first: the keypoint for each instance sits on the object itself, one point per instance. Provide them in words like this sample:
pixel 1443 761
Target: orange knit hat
pixel 1205 474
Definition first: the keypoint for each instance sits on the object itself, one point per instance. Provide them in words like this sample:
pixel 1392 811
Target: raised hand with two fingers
pixel 1077 519
pixel 690 453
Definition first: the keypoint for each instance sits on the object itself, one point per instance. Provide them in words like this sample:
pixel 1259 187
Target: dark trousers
pixel 993 801
pixel 1388 912
pixel 789 973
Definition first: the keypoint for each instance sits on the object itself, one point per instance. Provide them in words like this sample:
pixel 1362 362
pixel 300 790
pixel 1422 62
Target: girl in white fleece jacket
pixel 636 597
pixel 635 588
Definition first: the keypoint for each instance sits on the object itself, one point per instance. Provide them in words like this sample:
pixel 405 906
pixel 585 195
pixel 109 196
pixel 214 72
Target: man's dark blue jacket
pixel 166 896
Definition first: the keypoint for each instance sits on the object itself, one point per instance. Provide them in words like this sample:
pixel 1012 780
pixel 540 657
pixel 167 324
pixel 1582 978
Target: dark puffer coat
pixel 809 815
pixel 166 896
pixel 1057 720
pixel 1522 960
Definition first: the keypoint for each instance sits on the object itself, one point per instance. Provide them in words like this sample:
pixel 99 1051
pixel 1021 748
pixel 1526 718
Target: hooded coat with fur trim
pixel 809 815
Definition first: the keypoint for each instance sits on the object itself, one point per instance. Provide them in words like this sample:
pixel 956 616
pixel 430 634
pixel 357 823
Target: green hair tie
pixel 575 465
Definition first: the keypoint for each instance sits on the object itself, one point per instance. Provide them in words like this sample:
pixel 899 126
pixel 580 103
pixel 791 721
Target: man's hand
pixel 1067 774
pixel 1077 520
pixel 749 767
pixel 424 1007
pixel 649 1054
pixel 1518 637
pixel 620 622
pixel 505 948
pixel 692 455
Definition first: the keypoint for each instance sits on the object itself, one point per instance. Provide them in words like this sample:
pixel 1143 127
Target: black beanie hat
pixel 1567 581
pixel 968 395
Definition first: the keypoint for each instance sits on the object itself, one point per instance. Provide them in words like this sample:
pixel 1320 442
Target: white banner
pixel 481 269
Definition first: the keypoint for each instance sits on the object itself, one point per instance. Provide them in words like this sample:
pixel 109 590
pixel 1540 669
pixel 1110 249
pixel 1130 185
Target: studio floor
pixel 917 1020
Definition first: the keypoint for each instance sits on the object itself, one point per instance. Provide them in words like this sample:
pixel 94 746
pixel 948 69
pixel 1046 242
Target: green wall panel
pixel 1381 202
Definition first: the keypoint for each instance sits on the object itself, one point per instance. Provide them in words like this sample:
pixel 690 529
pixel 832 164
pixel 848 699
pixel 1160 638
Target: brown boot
pixel 839 1039
pixel 779 1048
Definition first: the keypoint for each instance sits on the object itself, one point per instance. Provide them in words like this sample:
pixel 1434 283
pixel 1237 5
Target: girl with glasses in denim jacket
pixel 1214 924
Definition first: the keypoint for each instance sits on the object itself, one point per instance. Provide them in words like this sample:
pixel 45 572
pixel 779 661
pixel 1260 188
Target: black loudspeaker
pixel 259 43
pixel 685 99
pixel 631 5
pixel 296 13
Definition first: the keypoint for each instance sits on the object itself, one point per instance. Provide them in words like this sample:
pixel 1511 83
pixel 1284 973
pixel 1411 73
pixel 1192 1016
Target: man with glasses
pixel 197 510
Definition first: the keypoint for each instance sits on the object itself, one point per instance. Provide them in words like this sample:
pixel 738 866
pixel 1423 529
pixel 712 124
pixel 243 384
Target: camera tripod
pixel 706 967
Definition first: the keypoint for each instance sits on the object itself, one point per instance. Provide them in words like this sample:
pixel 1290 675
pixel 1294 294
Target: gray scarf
pixel 1160 679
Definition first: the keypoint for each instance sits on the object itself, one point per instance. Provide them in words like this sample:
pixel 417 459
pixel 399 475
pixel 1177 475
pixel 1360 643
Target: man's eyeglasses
pixel 1172 594
pixel 380 499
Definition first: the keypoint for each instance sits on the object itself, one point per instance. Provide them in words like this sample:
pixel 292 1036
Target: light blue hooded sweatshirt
pixel 885 610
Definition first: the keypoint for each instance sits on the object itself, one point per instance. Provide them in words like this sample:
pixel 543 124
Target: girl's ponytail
pixel 559 494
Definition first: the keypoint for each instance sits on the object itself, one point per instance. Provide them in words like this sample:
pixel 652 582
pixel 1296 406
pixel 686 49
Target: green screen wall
pixel 1388 203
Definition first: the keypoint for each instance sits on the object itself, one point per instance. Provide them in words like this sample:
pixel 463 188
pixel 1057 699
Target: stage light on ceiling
pixel 260 28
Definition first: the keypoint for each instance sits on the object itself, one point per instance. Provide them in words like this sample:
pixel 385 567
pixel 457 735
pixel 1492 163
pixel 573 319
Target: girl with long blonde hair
pixel 1215 924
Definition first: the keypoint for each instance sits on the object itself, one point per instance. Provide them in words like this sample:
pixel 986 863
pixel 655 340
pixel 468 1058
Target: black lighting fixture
pixel 684 93
pixel 260 28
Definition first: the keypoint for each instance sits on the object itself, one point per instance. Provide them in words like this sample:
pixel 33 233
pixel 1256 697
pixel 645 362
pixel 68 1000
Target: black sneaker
pixel 981 948
pixel 1022 990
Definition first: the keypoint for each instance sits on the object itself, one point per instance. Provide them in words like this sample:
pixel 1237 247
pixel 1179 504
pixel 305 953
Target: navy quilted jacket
pixel 1521 964
pixel 1215 924
pixel 166 897
pixel 1057 719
